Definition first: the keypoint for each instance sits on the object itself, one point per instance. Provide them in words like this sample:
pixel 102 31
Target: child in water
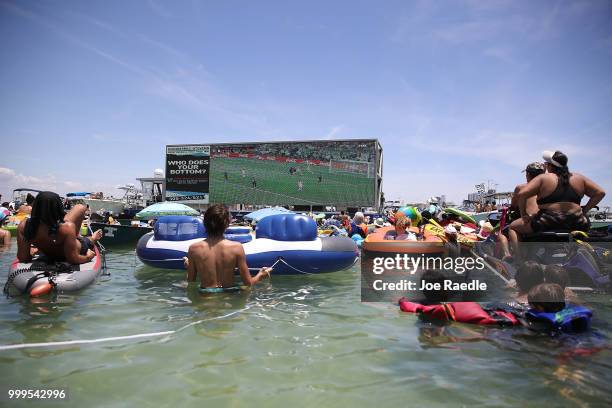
pixel 548 310
pixel 528 275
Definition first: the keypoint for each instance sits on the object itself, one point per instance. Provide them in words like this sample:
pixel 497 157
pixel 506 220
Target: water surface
pixel 305 340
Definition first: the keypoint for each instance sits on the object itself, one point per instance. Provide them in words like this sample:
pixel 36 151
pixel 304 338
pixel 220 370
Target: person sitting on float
pixel 357 226
pixel 559 193
pixel 27 207
pixel 402 230
pixel 532 170
pixel 55 232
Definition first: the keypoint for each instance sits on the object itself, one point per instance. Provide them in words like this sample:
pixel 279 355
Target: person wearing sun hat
pixel 532 170
pixel 558 194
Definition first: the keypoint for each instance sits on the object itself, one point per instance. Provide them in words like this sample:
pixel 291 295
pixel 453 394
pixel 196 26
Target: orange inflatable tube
pixel 376 243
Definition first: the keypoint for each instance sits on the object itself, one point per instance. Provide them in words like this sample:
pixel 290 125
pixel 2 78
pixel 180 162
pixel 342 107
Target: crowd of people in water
pixel 550 199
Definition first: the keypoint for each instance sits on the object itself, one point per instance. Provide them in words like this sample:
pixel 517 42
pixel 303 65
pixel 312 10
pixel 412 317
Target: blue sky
pixel 457 92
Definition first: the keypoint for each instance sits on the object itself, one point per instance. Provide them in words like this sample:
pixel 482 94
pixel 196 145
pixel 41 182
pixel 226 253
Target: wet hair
pixel 216 220
pixel 48 209
pixel 528 275
pixel 431 295
pixel 563 171
pixel 5 204
pixel 556 274
pixel 29 199
pixel 548 296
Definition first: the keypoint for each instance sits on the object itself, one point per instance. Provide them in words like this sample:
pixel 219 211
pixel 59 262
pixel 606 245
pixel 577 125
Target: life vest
pixel 463 312
pixel 571 319
pixel 360 229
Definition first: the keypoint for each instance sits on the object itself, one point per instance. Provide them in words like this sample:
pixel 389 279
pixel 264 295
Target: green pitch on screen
pixel 253 181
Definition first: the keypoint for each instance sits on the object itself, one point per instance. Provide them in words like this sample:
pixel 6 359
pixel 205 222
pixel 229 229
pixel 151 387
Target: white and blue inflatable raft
pixel 289 241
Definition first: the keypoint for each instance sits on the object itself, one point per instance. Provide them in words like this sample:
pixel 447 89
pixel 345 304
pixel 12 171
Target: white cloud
pixel 11 179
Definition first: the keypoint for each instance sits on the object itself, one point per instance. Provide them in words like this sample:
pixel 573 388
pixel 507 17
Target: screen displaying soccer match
pixel 328 173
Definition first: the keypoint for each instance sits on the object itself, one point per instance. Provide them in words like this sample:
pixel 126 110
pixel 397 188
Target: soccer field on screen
pixel 262 182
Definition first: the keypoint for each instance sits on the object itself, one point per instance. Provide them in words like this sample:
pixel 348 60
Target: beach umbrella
pixel 266 212
pixel 166 208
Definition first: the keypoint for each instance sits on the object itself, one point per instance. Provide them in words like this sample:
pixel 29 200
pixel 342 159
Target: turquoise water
pixel 304 340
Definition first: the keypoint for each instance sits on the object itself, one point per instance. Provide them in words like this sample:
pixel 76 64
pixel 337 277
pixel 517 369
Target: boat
pixel 20 195
pixel 119 234
pixel 501 199
pixel 96 202
pixel 287 241
pixel 41 276
pixel 600 219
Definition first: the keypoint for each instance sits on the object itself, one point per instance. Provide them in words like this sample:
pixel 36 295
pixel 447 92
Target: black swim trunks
pixel 546 220
pixel 85 244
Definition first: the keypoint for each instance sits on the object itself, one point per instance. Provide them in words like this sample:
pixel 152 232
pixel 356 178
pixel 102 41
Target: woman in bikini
pixel 559 194
pixel 55 233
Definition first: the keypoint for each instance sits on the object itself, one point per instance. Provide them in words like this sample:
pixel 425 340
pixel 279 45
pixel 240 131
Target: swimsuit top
pixel 561 194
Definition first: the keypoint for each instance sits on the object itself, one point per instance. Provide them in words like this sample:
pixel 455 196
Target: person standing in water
pixel 215 258
pixel 54 232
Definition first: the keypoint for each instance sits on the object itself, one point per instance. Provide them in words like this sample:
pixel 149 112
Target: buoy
pixel 41 289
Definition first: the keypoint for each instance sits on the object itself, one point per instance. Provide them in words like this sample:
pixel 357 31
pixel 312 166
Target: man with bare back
pixel 216 258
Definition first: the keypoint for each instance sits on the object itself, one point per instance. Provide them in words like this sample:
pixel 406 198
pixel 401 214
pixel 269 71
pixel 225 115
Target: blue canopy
pixel 266 212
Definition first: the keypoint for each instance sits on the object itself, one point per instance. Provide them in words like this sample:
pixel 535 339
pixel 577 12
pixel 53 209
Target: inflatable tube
pixel 376 243
pixel 12 228
pixel 464 216
pixel 239 234
pixel 291 238
pixel 64 277
pixel 466 240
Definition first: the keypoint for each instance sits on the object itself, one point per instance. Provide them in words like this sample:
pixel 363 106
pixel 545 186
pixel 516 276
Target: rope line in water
pixel 6 347
pixel 292 267
pixel 117 338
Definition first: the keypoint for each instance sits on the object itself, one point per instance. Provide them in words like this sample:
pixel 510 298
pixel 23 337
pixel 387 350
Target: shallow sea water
pixel 301 340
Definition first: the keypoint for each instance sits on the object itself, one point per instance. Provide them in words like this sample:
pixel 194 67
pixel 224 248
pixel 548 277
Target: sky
pixel 457 92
